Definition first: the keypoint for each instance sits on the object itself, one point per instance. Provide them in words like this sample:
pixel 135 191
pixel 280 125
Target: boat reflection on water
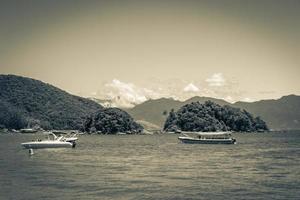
pixel 208 138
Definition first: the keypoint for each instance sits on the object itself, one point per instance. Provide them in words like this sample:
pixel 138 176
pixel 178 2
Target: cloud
pixel 126 94
pixel 247 99
pixel 216 80
pixel 191 88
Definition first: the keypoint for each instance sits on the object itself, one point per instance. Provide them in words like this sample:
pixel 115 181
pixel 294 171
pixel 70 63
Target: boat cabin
pixel 218 135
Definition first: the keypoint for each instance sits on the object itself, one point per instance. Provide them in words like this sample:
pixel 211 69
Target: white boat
pixel 54 142
pixel 42 144
pixel 208 138
pixel 121 133
pixel 28 130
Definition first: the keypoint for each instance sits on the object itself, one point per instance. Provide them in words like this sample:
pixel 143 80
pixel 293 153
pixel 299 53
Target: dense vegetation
pixel 212 117
pixel 10 117
pixel 26 102
pixel 111 121
pixel 283 113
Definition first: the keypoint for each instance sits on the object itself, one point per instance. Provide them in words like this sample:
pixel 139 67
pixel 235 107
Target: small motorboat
pixel 28 130
pixel 208 138
pixel 50 142
pixel 42 144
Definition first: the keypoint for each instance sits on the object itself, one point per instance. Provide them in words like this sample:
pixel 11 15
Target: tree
pixel 170 120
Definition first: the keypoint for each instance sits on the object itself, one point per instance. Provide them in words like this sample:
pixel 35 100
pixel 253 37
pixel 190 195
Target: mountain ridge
pixel 282 113
pixel 27 102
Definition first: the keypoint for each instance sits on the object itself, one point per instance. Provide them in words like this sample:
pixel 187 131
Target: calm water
pixel 260 166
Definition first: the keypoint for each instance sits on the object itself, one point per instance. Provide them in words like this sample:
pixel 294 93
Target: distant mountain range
pixel 25 101
pixel 283 113
pixel 28 102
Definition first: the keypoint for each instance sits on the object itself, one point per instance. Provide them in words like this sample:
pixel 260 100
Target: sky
pixel 131 51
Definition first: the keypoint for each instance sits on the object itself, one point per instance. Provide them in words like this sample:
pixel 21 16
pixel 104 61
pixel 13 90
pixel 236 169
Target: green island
pixel 212 117
pixel 111 121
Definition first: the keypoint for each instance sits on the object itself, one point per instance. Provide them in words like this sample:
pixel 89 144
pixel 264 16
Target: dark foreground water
pixel 260 166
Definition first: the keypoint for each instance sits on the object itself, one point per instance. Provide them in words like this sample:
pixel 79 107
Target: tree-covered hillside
pixel 283 113
pixel 26 102
pixel 111 121
pixel 212 117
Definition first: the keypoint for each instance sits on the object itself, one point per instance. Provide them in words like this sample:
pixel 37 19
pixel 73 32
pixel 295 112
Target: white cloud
pixel 216 80
pixel 191 88
pixel 247 99
pixel 126 94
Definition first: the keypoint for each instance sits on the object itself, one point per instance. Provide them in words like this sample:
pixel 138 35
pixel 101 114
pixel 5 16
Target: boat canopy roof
pixel 211 133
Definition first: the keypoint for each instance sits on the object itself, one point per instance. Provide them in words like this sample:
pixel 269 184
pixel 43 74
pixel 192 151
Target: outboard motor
pixel 73 144
pixel 30 152
pixel 234 141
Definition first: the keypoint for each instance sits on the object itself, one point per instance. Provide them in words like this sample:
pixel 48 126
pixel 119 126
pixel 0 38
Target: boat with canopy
pixel 208 138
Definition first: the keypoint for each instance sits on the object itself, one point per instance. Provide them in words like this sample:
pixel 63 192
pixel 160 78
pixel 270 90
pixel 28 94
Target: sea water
pixel 259 166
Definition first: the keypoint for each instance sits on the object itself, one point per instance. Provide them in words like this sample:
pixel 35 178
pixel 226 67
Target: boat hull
pixel 46 144
pixel 206 141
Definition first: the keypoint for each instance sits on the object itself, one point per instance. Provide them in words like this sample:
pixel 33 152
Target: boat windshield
pixel 51 136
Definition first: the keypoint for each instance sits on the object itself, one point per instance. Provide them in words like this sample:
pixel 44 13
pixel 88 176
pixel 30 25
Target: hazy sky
pixel 236 50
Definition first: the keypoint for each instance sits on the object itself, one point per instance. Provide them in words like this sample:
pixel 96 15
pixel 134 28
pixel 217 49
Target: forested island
pixel 210 116
pixel 111 121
